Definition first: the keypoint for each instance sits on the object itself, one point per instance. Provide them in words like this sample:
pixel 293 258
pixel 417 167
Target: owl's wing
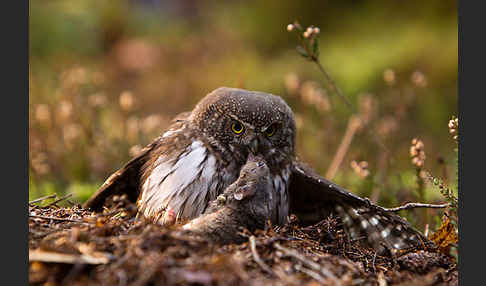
pixel 313 198
pixel 127 179
pixel 124 181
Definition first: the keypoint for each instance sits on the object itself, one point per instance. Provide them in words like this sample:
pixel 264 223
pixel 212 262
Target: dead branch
pixel 412 206
pixel 42 198
pixel 311 274
pixel 47 256
pixel 309 263
pixel 58 218
pixel 58 200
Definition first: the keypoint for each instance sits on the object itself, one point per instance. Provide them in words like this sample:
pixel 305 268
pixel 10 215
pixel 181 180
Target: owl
pixel 178 175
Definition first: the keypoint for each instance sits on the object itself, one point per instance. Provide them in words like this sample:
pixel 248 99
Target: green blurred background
pixel 106 77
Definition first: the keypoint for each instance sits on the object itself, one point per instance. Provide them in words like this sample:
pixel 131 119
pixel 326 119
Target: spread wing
pixel 313 198
pixel 127 179
pixel 124 181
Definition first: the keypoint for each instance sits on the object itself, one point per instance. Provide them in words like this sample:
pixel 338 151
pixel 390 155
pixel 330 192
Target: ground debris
pixel 135 252
pixel 445 236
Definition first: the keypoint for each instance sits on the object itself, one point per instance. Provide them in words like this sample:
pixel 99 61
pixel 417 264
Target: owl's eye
pixel 270 130
pixel 237 127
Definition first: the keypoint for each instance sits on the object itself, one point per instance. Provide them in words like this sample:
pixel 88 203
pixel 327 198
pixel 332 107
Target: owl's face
pixel 241 122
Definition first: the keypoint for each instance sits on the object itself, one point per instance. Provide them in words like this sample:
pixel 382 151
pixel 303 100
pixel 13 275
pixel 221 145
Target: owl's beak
pixel 253 146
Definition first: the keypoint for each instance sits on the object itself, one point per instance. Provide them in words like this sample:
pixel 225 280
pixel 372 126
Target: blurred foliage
pixel 106 77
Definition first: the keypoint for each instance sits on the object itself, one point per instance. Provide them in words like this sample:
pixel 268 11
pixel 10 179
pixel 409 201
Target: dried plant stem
pixel 42 199
pixel 413 206
pixel 338 91
pixel 257 258
pixel 313 265
pixel 333 85
pixel 353 126
pixel 311 274
pixel 421 191
pixel 58 219
pixel 55 257
pixel 60 199
pixel 383 167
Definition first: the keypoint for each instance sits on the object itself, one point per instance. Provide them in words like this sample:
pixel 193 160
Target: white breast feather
pixel 169 180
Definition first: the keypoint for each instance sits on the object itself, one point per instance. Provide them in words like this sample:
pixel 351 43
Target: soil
pixel 74 246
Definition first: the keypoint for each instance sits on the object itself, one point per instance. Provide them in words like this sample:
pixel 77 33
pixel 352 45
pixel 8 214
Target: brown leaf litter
pixel 73 246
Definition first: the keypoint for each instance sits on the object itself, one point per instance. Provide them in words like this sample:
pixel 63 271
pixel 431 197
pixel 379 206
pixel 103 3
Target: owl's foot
pixel 168 219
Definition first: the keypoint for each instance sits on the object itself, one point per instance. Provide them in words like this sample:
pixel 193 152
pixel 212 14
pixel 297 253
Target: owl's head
pixel 244 122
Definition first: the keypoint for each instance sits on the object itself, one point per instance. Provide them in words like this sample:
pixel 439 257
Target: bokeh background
pixel 106 77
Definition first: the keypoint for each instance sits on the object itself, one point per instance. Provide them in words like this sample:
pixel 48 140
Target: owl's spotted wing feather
pixel 127 179
pixel 312 198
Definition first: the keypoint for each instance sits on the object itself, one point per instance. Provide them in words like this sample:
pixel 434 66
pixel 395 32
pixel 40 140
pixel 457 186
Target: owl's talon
pixel 169 218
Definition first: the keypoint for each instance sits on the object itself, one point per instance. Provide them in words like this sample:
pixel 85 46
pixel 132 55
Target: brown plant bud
pixel 417 153
pixel 127 100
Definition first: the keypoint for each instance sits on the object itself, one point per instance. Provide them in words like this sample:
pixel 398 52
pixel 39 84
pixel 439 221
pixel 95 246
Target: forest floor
pixel 74 246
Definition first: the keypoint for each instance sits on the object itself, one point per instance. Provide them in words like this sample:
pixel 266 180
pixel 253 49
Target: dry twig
pixel 58 200
pixel 58 218
pixel 311 274
pixel 304 260
pixel 353 126
pixel 257 258
pixel 42 199
pixel 413 206
pixel 48 256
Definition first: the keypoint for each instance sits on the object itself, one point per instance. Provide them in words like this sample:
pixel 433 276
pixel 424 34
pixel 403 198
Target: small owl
pixel 201 154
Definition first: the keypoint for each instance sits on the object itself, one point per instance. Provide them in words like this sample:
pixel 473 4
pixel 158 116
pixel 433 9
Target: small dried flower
pixel 299 121
pixel 290 27
pixel 97 100
pixel 65 109
pixel 454 127
pixel 39 163
pixel 360 168
pixel 312 94
pixel 74 76
pixel 311 31
pixel 417 153
pixel 71 133
pixel 292 83
pixel 42 113
pixel 127 100
pixel 419 79
pixel 133 126
pixel 389 76
pixel 367 107
pixel 387 125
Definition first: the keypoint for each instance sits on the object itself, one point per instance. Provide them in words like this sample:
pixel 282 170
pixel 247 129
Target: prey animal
pixel 246 203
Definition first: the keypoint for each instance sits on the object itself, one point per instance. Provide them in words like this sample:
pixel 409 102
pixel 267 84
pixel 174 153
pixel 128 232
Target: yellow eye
pixel 270 130
pixel 237 127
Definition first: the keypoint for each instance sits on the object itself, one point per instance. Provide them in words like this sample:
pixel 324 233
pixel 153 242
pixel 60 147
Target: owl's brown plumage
pixel 202 153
